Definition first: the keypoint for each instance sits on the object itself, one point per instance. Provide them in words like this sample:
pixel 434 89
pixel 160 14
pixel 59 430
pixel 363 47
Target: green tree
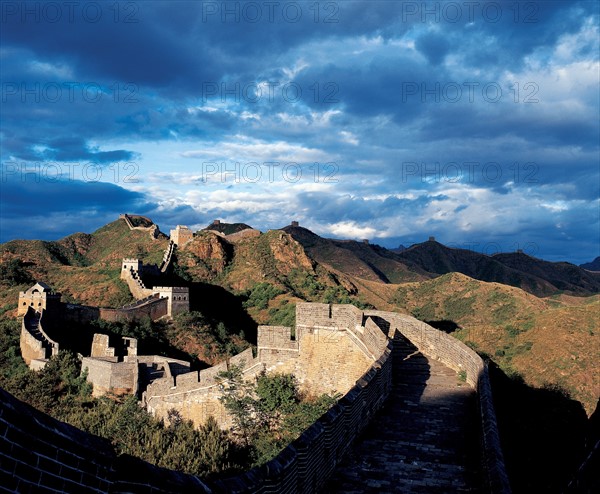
pixel 269 412
pixel 13 272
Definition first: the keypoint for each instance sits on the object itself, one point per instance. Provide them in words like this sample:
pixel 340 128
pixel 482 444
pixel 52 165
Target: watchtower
pixel 129 264
pixel 179 298
pixel 181 235
pixel 39 296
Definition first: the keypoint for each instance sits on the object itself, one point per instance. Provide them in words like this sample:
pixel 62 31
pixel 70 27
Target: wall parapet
pixel 306 464
pixel 459 357
pixel 39 453
pixel 36 345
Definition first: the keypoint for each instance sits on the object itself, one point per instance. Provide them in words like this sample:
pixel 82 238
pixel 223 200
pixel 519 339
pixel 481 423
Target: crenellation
pixel 335 349
pixel 39 297
pixel 347 316
pixel 313 314
pixel 181 235
pixel 208 377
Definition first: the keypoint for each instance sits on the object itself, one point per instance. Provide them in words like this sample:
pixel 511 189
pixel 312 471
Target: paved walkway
pixel 424 440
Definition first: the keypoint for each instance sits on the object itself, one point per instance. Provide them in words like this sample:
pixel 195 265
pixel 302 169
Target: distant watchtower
pixel 216 222
pixel 129 264
pixel 39 296
pixel 295 224
pixel 179 298
pixel 181 235
pixel 432 239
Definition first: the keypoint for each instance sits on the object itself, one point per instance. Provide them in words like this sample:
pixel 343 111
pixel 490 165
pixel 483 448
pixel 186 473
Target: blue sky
pixel 477 123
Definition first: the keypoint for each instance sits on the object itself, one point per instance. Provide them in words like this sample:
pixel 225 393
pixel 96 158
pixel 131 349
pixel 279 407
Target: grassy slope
pixel 549 341
pixel 85 268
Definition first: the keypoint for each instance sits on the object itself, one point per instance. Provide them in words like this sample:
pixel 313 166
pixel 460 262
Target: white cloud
pixel 254 150
pixel 349 137
pixel 351 230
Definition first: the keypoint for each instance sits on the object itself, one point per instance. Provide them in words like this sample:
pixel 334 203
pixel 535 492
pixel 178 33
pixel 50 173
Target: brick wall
pixel 31 348
pixel 306 464
pixel 313 315
pixel 106 375
pixel 154 308
pixel 35 348
pixel 40 454
pixel 30 456
pixel 456 355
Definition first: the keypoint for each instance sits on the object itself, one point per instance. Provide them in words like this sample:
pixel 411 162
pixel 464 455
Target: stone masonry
pixel 332 348
pixel 306 464
pixel 181 235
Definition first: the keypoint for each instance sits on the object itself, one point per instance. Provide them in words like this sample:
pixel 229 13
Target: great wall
pixel 360 354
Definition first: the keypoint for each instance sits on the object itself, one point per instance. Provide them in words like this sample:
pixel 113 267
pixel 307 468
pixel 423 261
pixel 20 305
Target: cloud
pixel 396 96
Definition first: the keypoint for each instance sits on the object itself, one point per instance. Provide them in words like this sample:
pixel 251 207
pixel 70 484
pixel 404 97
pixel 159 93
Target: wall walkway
pixel 423 440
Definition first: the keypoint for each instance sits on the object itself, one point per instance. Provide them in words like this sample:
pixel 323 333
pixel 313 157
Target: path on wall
pixel 425 438
pixel 32 322
pixel 168 257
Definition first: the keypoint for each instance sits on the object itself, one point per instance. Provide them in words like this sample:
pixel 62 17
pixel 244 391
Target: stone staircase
pixel 424 440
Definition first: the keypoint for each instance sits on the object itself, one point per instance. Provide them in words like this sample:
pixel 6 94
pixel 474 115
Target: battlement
pixel 310 315
pixel 181 235
pixel 40 297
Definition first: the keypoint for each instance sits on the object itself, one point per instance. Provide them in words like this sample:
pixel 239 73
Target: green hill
pixel 550 342
pixel 84 267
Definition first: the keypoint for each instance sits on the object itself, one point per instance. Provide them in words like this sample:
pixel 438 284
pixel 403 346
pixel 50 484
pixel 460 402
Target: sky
pixel 393 121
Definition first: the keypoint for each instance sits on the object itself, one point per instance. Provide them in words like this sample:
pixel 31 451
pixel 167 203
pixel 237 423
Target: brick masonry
pixel 40 454
pixel 33 444
pixel 331 351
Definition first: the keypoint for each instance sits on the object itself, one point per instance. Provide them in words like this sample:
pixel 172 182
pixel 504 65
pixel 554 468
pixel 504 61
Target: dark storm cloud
pixel 136 72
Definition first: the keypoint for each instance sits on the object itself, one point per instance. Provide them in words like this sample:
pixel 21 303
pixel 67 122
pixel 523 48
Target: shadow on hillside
pixel 217 304
pixel 214 302
pixel 444 325
pixel 543 434
pixel 78 336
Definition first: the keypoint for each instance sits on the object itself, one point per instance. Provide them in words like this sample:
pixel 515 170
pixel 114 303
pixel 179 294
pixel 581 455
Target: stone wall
pixel 79 313
pixel 195 395
pixel 135 284
pixel 275 345
pixel 178 298
pixel 152 307
pixel 36 346
pixel 459 357
pixel 165 265
pixel 108 375
pixel 41 454
pixel 330 352
pixel 307 463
